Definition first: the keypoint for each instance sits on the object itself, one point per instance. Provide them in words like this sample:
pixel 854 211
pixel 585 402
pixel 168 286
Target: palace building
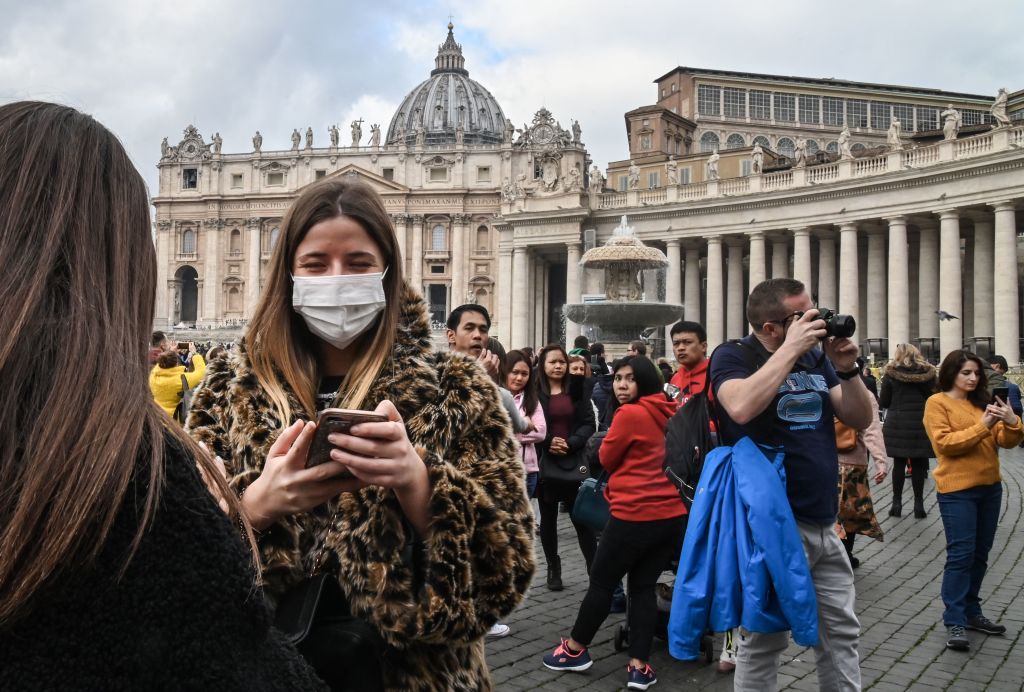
pixel 891 203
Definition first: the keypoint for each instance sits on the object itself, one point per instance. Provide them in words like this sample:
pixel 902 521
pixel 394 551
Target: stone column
pixel 757 260
pixel 211 270
pixel 827 270
pixel 416 256
pixel 252 281
pixel 1007 329
pixel 951 334
pixel 503 297
pixel 714 323
pixel 802 257
pixel 691 300
pixel 735 312
pixel 877 309
pixel 572 287
pixel 163 263
pixel 984 289
pixel 849 289
pixel 401 224
pixel 780 258
pixel 458 260
pixel 899 284
pixel 674 275
pixel 520 297
pixel 928 281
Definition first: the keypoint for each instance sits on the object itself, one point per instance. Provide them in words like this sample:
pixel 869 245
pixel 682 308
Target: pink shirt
pixel 528 440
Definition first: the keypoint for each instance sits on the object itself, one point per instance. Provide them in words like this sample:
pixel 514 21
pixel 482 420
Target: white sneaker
pixel 498 631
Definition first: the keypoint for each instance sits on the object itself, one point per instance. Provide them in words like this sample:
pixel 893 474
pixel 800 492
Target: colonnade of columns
pixel 896 276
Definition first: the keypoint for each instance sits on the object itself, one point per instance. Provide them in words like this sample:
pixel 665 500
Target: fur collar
pixel 911 375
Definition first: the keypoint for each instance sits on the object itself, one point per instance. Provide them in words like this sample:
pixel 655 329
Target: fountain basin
pixel 621 321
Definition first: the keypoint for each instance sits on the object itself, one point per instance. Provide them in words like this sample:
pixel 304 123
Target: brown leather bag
pixel 846 437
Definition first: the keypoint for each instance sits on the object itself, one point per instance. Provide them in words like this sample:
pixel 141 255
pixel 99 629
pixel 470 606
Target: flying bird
pixel 944 316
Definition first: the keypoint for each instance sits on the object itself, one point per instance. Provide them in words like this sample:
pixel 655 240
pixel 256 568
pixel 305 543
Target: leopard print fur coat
pixel 477 561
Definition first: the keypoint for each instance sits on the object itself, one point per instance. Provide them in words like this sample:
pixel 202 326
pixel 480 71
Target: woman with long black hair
pixel 646 527
pixel 565 400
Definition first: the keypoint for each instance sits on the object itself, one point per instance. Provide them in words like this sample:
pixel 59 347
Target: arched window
pixel 483 239
pixel 735 141
pixel 437 240
pixel 188 242
pixel 708 142
pixel 786 147
pixel 763 141
pixel 832 147
pixel 235 242
pixel 812 147
pixel 858 147
pixel 274 233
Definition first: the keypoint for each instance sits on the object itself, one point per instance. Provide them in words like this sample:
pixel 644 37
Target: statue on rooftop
pixel 893 136
pixel 952 121
pixel 335 134
pixel 672 171
pixel 757 159
pixel 257 142
pixel 998 110
pixel 296 138
pixel 713 165
pixel 634 176
pixel 375 135
pixel 845 152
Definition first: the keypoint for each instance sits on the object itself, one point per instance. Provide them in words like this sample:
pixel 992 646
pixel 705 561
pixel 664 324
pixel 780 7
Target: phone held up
pixel 1001 393
pixel 336 420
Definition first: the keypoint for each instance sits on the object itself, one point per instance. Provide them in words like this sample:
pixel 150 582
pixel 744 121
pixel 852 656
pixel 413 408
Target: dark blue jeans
pixel 969 518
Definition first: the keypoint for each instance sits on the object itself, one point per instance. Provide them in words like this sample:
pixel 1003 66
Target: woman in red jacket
pixel 647 522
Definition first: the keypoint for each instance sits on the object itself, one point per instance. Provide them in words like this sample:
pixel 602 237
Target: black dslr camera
pixel 839 326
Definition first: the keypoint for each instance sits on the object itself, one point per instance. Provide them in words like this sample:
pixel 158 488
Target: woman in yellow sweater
pixel 965 426
pixel 165 378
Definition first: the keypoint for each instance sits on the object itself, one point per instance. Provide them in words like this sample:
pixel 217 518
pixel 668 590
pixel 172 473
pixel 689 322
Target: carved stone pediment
pixel 378 183
pixel 272 166
pixel 191 148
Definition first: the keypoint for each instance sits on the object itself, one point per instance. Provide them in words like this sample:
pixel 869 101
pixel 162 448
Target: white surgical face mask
pixel 339 309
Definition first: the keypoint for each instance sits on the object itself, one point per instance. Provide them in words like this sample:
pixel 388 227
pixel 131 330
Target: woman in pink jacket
pixel 520 381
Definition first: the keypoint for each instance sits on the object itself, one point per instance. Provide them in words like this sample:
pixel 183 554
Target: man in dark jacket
pixel 997 378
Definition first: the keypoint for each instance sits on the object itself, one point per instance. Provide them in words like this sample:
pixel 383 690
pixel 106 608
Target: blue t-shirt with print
pixel 799 420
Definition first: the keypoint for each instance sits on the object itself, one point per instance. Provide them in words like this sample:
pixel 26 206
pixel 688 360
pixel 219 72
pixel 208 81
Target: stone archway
pixel 186 295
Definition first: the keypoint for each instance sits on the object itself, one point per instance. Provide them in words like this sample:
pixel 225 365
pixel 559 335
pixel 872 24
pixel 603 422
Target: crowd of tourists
pixel 332 503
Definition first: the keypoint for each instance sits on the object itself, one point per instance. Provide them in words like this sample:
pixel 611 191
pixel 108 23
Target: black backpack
pixel 688 434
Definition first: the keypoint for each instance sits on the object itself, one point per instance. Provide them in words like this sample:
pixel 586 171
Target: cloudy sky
pixel 147 69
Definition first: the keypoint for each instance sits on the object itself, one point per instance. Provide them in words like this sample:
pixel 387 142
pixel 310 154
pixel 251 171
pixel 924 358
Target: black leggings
pixel 642 549
pixel 918 472
pixel 549 532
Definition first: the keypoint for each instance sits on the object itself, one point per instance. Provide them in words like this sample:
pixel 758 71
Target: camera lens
pixel 841 326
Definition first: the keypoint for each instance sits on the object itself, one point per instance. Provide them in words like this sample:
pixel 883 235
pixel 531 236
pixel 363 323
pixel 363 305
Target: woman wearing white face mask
pixel 431 541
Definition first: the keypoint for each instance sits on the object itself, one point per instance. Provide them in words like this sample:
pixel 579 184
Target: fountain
pixel 630 309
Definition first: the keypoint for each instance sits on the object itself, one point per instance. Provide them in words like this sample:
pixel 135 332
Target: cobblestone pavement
pixel 902 645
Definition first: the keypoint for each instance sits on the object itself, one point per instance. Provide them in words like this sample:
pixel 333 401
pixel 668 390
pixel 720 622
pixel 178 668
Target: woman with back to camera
pixel 431 541
pixel 645 531
pixel 570 419
pixel 967 427
pixel 909 381
pixel 118 570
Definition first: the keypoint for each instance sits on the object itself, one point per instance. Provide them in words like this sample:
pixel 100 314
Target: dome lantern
pixel 449 56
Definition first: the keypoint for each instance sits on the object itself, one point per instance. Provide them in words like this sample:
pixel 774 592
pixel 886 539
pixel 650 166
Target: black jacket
pixel 904 392
pixel 186 615
pixel 583 422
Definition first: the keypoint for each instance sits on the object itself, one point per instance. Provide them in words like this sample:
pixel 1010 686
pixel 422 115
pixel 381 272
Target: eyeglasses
pixel 782 322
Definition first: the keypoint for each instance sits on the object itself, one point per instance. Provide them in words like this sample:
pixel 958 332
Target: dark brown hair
pixel 168 360
pixel 530 390
pixel 278 340
pixel 950 368
pixel 78 259
pixel 764 304
pixel 542 377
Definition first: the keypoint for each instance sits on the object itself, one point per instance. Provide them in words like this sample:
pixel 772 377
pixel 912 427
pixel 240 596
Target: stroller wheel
pixel 707 646
pixel 621 637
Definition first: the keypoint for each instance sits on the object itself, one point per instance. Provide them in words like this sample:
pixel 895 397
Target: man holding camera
pixel 788 400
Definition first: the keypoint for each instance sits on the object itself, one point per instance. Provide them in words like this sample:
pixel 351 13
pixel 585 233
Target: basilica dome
pixel 444 102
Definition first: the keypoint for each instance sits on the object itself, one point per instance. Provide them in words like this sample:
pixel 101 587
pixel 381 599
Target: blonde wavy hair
pixel 907 356
pixel 279 344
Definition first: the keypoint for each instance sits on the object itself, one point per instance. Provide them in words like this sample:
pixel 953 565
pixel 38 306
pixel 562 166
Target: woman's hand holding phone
pixel 286 486
pixel 1000 410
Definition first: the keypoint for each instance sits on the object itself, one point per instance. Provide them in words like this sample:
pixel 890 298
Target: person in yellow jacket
pixel 165 378
pixel 967 427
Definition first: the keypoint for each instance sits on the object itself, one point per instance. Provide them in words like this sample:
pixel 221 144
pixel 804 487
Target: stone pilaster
pixel 459 260
pixel 416 256
pixel 520 301
pixel 572 287
pixel 252 280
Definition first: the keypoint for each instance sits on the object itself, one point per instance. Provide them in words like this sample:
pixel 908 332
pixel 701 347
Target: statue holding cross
pixel 357 132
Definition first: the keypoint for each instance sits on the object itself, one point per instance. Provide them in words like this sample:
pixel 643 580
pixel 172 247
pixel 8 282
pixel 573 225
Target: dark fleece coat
pixel 187 615
pixel 477 562
pixel 904 392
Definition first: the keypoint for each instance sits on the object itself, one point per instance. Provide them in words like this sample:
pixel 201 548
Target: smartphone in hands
pixel 336 420
pixel 1001 393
